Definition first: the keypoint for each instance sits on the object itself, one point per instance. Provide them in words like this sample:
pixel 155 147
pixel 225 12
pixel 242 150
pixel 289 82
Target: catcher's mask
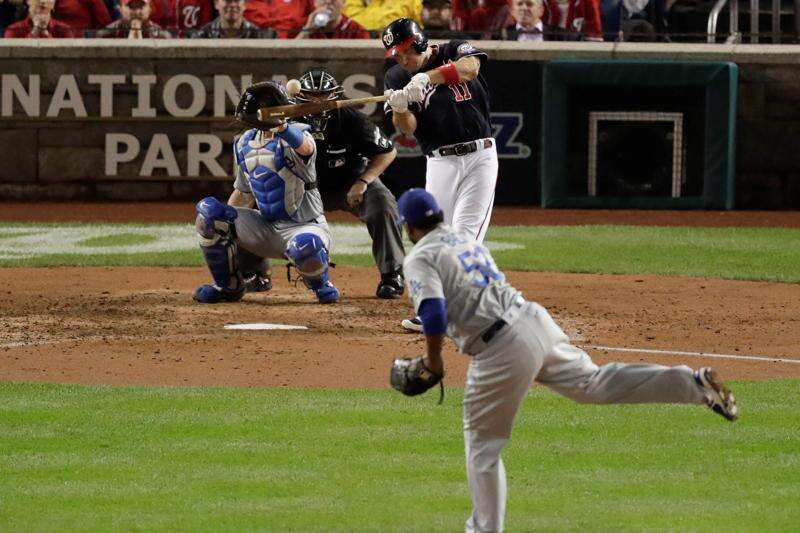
pixel 318 85
pixel 258 95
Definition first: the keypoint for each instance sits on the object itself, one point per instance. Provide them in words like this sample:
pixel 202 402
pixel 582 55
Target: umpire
pixel 352 152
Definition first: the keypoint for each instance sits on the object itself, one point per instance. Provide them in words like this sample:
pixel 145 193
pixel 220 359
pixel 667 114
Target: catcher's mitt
pixel 412 377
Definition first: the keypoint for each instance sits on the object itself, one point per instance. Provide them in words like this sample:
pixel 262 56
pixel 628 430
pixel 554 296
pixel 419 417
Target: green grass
pixel 105 458
pixel 123 239
pixel 771 254
pixel 734 253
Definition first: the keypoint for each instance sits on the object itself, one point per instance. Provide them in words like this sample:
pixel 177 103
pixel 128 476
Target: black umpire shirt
pixel 448 114
pixel 344 147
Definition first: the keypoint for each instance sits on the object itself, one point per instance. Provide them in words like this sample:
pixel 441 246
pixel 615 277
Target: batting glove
pixel 416 87
pixel 398 101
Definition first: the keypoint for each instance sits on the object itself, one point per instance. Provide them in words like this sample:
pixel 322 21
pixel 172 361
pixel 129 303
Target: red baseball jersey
pixel 82 14
pixel 23 28
pixel 181 14
pixel 286 17
pixel 583 16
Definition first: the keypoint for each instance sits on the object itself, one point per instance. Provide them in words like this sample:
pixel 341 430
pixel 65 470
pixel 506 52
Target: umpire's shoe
pixel 391 286
pixel 211 294
pixel 719 398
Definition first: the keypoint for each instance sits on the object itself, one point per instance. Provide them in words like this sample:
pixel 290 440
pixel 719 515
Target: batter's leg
pixel 570 371
pixel 442 176
pixel 475 196
pixel 497 381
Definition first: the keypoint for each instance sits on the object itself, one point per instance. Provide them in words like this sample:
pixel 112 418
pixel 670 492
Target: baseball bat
pixel 313 108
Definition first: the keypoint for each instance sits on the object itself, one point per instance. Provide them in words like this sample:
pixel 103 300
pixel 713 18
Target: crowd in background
pixel 522 20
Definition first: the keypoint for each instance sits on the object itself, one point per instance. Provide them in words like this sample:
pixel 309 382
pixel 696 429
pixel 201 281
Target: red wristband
pixel 450 73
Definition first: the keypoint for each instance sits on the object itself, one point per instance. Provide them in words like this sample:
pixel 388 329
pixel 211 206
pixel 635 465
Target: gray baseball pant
pixel 379 212
pixel 534 348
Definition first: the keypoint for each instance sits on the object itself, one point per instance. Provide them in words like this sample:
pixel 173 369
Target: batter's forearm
pixel 377 165
pixel 405 122
pixel 467 68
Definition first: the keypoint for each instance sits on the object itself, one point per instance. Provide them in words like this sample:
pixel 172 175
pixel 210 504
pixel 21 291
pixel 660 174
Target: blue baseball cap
pixel 416 205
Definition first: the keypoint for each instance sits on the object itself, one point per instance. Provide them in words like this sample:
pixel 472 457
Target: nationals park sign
pixel 184 96
pixel 180 96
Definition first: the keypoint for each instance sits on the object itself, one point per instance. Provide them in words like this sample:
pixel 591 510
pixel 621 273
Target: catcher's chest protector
pixel 276 174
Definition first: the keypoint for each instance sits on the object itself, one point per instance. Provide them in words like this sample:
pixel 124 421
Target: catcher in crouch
pixel 275 210
pixel 352 153
pixel 458 290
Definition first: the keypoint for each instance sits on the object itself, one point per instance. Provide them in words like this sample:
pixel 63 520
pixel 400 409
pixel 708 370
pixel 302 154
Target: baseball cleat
pixel 326 293
pixel 391 286
pixel 719 398
pixel 211 294
pixel 412 324
pixel 258 283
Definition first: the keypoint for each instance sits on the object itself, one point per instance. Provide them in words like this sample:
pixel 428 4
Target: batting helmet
pixel 258 95
pixel 316 85
pixel 402 34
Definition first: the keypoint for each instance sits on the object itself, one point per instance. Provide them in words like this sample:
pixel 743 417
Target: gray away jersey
pixel 446 264
pixel 258 158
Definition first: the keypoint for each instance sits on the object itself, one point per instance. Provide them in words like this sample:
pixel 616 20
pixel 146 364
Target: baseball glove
pixel 412 377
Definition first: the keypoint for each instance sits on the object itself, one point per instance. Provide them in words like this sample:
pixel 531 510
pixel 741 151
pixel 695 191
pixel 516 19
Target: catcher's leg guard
pixel 308 254
pixel 217 236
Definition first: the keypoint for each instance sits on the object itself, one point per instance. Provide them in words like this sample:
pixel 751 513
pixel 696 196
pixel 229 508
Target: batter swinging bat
pixel 313 108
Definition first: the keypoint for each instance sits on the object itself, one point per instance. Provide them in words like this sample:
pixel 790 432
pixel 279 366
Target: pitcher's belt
pixel 495 328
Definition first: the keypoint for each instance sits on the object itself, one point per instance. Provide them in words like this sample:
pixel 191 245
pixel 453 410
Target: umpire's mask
pixel 318 85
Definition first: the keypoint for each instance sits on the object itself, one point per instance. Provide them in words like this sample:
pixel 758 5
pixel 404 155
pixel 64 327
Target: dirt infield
pixel 139 325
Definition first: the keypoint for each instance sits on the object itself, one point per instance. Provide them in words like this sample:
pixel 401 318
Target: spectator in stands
pixel 286 17
pixel 134 23
pixel 40 23
pixel 528 24
pixel 375 15
pixel 82 15
pixel 482 19
pixel 437 15
pixel 113 8
pixel 181 17
pixel 231 24
pixel 642 20
pixel 11 11
pixel 328 22
pixel 578 19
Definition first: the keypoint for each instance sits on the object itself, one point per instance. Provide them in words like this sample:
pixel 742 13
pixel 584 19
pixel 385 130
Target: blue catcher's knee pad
pixel 215 226
pixel 308 253
pixel 214 218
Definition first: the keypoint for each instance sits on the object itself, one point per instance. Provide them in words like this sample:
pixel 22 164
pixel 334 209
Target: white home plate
pixel 259 325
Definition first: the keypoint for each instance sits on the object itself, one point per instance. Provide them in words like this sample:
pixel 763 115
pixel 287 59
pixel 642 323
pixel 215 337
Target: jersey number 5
pixel 479 266
pixel 461 91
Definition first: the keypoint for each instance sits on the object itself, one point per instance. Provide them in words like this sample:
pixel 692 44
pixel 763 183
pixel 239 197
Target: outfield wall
pixel 169 138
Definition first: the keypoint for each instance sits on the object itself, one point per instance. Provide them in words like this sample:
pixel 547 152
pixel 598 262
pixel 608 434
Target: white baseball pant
pixel 534 348
pixel 463 186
